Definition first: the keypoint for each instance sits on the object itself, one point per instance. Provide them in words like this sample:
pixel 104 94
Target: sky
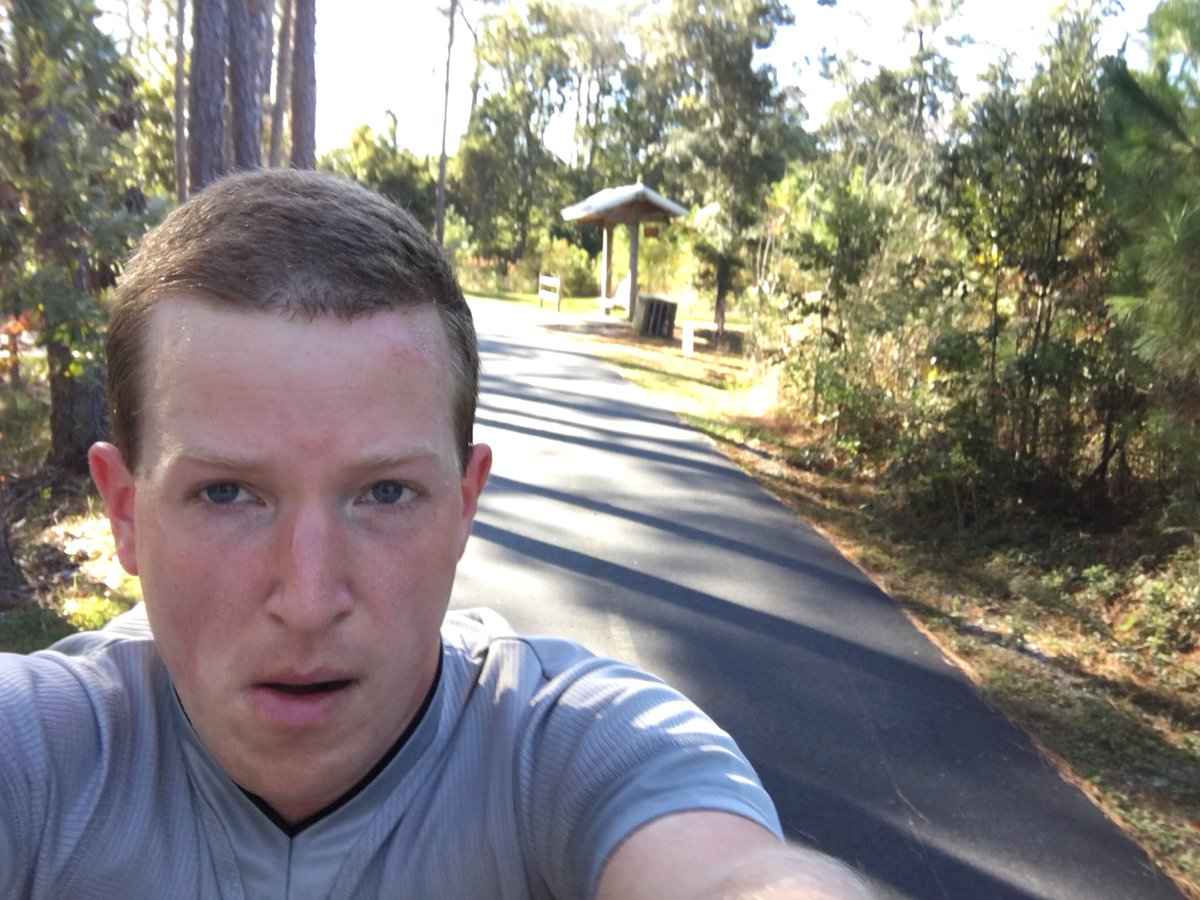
pixel 379 55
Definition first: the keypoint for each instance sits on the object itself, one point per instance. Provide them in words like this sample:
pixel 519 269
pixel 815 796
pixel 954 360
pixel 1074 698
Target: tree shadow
pixel 912 776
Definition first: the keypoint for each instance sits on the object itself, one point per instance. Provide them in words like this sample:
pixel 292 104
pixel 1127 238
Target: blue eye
pixel 225 492
pixel 387 492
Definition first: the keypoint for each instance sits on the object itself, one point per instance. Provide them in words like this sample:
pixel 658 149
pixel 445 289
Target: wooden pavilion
pixel 630 205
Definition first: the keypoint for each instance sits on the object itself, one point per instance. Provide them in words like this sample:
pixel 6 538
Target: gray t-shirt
pixel 533 760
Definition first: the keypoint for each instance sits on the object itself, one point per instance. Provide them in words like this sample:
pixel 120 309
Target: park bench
pixel 619 300
pixel 550 290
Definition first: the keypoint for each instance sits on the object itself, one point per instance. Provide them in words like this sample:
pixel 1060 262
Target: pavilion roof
pixel 629 203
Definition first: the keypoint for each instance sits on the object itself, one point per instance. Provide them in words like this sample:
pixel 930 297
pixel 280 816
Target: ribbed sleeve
pixel 611 749
pixel 85 762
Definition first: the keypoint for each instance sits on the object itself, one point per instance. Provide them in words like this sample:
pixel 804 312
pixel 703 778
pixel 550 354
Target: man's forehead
pixel 192 342
pixel 216 377
pixel 178 321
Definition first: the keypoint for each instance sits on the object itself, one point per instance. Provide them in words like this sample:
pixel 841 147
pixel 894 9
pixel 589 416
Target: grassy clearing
pixel 1086 640
pixel 568 304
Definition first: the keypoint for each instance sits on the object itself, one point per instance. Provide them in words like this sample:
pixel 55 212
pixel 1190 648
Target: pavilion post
pixel 606 278
pixel 635 229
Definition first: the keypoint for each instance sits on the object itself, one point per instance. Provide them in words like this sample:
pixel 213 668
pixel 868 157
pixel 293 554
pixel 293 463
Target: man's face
pixel 296 519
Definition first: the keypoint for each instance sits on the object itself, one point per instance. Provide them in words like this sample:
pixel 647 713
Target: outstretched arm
pixel 720 856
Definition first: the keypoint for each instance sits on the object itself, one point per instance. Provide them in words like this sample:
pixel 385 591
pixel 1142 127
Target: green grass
pixel 575 305
pixel 585 305
pixel 73 600
pixel 57 528
pixel 32 627
pixel 502 295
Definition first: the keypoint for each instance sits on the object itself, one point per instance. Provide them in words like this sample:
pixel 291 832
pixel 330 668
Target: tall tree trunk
pixel 14 361
pixel 245 97
pixel 440 221
pixel 262 27
pixel 304 86
pixel 210 39
pixel 283 81
pixel 14 589
pixel 724 279
pixel 77 410
pixel 78 413
pixel 11 217
pixel 478 74
pixel 181 163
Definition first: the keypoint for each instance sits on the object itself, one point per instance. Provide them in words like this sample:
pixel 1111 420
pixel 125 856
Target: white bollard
pixel 689 339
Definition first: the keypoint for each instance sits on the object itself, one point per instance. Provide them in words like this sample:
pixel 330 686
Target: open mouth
pixel 305 690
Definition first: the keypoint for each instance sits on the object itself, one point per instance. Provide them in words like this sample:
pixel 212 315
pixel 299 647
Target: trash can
pixel 654 317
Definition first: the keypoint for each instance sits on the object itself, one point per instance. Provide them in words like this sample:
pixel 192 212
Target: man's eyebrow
pixel 412 454
pixel 225 460
pixel 214 458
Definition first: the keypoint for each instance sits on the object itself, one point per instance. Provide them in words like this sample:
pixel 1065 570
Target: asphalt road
pixel 610 522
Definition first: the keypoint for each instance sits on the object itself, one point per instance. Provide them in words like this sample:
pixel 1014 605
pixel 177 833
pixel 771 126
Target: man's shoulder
pixel 485 637
pixel 130 626
pixel 85 674
pixel 60 708
pixel 596 747
pixel 548 682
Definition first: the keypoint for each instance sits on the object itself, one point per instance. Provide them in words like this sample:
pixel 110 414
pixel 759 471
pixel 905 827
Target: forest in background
pixel 986 309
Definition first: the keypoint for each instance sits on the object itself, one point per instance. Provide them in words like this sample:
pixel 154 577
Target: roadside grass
pixel 1086 640
pixel 588 306
pixel 568 304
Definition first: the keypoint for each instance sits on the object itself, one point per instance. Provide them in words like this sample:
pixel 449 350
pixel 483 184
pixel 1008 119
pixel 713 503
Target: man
pixel 292 384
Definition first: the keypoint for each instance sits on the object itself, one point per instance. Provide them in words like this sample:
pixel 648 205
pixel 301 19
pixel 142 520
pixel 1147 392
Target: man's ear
pixel 479 465
pixel 115 483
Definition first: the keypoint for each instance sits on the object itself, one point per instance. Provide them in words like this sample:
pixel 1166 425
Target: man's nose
pixel 310 591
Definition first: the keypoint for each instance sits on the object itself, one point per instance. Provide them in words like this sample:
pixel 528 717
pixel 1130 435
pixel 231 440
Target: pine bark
pixel 14 590
pixel 283 83
pixel 304 86
pixel 77 410
pixel 206 131
pixel 440 217
pixel 245 97
pixel 181 159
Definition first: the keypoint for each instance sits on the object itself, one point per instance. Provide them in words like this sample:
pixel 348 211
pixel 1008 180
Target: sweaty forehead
pixel 186 324
pixel 205 363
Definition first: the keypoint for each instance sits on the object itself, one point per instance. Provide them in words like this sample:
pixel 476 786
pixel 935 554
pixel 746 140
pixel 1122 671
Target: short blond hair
pixel 294 243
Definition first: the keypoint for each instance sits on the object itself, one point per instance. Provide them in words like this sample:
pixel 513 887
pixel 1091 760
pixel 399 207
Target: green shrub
pixel 1168 618
pixel 488 276
pixel 570 263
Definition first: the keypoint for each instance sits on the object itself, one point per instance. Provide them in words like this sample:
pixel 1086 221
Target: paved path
pixel 610 522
